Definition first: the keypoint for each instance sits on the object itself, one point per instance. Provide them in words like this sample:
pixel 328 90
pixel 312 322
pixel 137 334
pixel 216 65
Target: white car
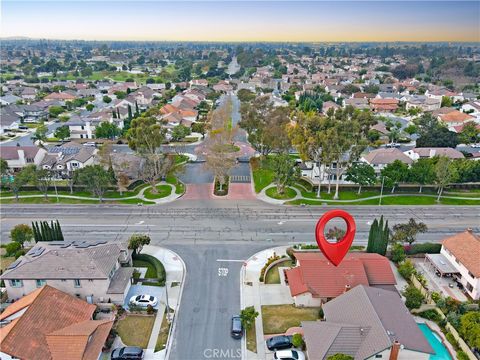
pixel 144 300
pixel 475 145
pixel 290 354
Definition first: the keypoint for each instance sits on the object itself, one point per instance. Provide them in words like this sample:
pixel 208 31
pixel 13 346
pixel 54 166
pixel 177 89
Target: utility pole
pixel 381 191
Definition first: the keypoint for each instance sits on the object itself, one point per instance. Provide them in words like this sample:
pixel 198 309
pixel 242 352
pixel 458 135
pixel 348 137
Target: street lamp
pixel 381 191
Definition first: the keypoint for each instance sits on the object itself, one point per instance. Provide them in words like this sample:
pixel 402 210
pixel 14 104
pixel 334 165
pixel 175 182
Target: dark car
pixel 243 159
pixel 127 353
pixel 237 328
pixel 279 342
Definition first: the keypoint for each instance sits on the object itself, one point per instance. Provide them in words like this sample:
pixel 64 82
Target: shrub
pixel 430 315
pixel 406 269
pixel 436 296
pixel 414 297
pixel 462 356
pixel 398 253
pixel 321 314
pixel 19 253
pixel 340 357
pixel 297 341
pixel 161 275
pixel 424 248
pixel 11 248
pixel 150 309
pixel 270 260
pixel 451 340
pixel 290 252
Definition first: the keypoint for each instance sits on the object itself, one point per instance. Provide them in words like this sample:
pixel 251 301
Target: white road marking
pixel 140 222
pixel 230 260
pixel 222 271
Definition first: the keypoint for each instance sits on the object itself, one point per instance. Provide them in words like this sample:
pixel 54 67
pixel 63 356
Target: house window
pixel 16 283
pixel 90 280
pixel 76 283
pixel 29 160
pixel 378 356
pixel 40 283
pixel 469 287
pixel 63 280
pixel 471 275
pixel 112 272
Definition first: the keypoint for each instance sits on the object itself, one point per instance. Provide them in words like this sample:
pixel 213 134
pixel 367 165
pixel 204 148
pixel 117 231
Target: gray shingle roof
pixel 59 261
pixel 380 313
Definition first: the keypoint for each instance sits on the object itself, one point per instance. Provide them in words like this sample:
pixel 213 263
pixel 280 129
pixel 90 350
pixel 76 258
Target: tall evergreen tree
pixel 114 114
pixel 137 111
pixel 130 115
pixel 378 237
pixel 60 233
pixel 118 113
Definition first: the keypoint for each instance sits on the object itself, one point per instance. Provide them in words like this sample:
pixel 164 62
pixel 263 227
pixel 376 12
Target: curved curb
pixel 177 310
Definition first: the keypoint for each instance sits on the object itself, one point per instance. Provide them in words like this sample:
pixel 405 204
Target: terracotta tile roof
pixel 83 340
pixel 59 96
pixel 465 246
pixel 20 304
pixel 317 275
pixel 455 116
pixel 50 311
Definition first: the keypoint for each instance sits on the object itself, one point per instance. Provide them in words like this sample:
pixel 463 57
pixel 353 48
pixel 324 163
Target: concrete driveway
pixel 157 291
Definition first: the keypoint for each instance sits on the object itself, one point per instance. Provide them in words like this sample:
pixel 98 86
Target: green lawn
pixel 163 191
pixel 135 330
pixel 163 334
pixel 151 272
pixel 273 275
pixel 262 178
pixel 179 186
pixel 289 193
pixel 279 318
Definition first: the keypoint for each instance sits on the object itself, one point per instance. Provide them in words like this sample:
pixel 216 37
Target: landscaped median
pixel 142 194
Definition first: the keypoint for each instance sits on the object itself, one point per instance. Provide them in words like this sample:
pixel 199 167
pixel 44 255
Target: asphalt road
pixel 208 235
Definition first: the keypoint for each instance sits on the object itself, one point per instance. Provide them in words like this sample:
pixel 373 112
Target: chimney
pixel 347 287
pixel 394 351
pixel 470 230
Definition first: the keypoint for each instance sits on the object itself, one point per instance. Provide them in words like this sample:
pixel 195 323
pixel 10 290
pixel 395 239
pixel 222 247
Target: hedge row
pixel 161 275
pixel 424 248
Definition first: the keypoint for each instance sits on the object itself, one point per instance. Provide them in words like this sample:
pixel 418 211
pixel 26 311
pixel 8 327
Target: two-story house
pixel 81 128
pixel 68 158
pixel 380 158
pixel 18 157
pixel 95 271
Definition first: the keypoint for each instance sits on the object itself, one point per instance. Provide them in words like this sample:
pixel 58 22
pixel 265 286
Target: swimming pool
pixel 441 352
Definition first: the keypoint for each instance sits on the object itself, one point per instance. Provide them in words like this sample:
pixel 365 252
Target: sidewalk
pixel 251 295
pixel 176 271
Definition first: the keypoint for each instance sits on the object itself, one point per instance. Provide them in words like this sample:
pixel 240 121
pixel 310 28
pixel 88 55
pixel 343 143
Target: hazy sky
pixel 243 20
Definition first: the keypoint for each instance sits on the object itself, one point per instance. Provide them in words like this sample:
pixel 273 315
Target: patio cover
pixel 441 263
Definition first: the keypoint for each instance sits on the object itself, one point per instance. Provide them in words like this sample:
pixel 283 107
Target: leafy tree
pixel 285 171
pixel 297 341
pixel 446 101
pixel 42 179
pixel 21 233
pixel 245 95
pixel 199 127
pixel 395 173
pixel 378 237
pixel 407 232
pixel 55 110
pixel 179 132
pixel 422 172
pixel 21 179
pixel 219 158
pixel 433 134
pixel 40 134
pixel 446 173
pixel 107 99
pixel 470 328
pixel 137 242
pixel 120 94
pixel 89 107
pixel 361 174
pixel 107 130
pixel 4 171
pixel 411 129
pixel 414 297
pixel 470 133
pixel 62 132
pixel 95 178
pixel 12 248
pixel 248 316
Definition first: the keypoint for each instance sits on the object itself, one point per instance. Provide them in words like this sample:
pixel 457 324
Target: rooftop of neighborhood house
pixel 317 275
pixel 67 331
pixel 386 156
pixel 11 152
pixel 363 322
pixel 465 246
pixel 67 260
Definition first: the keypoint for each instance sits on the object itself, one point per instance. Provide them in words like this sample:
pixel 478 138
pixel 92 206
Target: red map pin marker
pixel 335 252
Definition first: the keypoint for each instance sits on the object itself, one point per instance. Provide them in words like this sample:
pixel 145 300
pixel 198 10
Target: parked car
pixel 243 159
pixel 475 145
pixel 392 145
pixel 289 355
pixel 279 342
pixel 90 143
pixel 237 328
pixel 127 353
pixel 144 300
